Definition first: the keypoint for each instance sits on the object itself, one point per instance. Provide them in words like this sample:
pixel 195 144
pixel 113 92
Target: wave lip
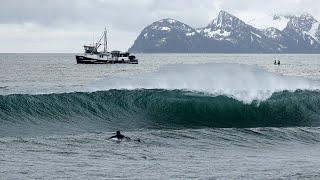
pixel 152 109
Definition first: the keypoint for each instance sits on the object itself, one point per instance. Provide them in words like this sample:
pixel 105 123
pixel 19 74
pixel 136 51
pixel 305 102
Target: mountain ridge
pixel 229 34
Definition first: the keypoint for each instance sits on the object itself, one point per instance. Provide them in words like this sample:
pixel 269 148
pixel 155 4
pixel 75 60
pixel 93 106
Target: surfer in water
pixel 119 136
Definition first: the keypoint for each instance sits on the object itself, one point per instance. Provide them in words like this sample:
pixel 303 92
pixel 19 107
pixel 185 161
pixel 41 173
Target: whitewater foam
pixel 242 82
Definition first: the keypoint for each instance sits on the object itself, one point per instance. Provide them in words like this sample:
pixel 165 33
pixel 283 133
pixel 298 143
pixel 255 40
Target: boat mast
pixel 105 41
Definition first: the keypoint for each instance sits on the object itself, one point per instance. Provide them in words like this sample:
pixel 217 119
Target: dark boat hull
pixel 88 60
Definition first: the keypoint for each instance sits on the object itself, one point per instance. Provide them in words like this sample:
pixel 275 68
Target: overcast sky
pixel 65 25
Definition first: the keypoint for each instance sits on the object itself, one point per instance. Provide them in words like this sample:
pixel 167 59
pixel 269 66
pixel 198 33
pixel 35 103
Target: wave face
pixel 153 108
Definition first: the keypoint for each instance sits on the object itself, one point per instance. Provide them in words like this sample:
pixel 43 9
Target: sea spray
pixel 242 82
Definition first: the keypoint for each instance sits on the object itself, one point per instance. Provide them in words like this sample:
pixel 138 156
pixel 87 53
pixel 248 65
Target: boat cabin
pixel 90 49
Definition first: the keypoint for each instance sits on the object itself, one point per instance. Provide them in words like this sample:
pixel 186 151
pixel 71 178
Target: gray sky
pixel 65 25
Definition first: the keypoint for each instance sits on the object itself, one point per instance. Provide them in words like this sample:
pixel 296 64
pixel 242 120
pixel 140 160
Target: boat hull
pixel 89 60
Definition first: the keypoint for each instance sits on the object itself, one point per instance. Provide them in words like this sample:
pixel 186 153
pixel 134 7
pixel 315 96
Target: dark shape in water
pixel 119 136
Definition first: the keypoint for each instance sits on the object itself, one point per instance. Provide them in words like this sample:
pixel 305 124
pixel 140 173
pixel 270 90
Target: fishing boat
pixel 92 55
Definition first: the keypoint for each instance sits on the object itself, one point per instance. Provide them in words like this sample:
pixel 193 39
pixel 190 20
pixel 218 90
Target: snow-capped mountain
pixel 166 35
pixel 224 26
pixel 170 35
pixel 304 34
pixel 243 36
pixel 229 34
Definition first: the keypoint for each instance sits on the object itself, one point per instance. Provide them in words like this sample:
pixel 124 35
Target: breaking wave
pixel 152 109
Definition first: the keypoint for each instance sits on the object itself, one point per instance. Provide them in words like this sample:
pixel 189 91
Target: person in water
pixel 275 62
pixel 278 62
pixel 119 136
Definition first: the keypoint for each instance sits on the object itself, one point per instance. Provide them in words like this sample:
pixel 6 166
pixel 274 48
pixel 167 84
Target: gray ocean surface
pixel 189 116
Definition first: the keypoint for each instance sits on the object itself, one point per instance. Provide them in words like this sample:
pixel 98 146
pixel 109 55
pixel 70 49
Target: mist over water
pixel 242 82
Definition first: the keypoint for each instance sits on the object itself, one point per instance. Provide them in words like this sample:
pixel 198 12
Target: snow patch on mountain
pixel 171 21
pixel 255 34
pixel 165 29
pixel 190 34
pixel 217 34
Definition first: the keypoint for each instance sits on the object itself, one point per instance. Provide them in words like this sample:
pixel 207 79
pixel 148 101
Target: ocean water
pixel 199 116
